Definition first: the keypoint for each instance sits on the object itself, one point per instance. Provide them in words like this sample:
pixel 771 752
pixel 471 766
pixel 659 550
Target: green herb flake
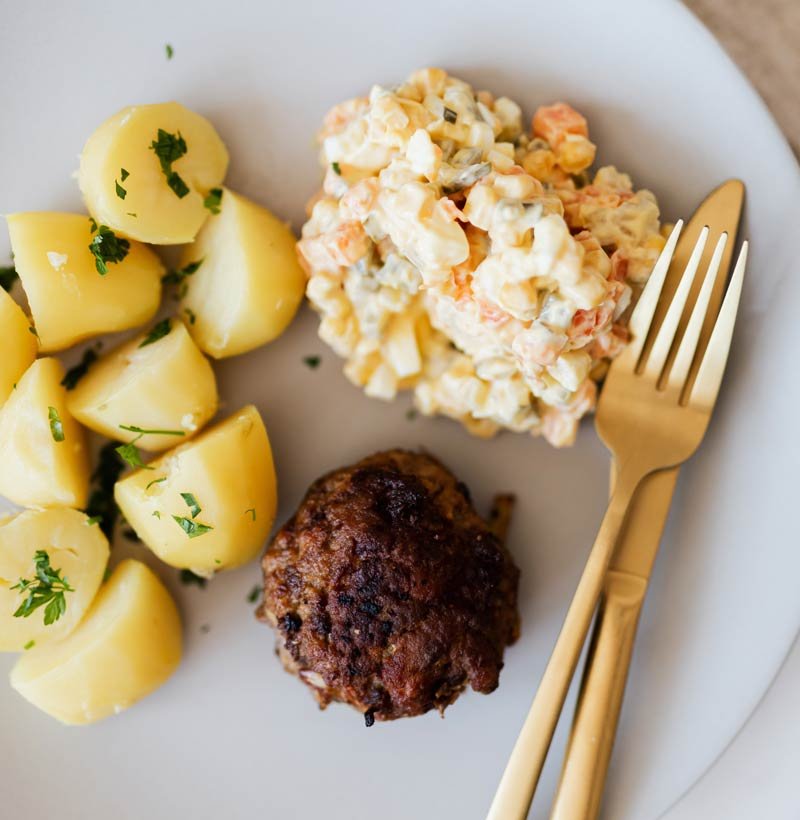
pixel 337 169
pixel 169 148
pixel 217 561
pixel 32 329
pixel 450 115
pixel 251 512
pixel 8 275
pixel 132 428
pixel 46 588
pixel 312 362
pixel 56 427
pixel 190 315
pixel 155 481
pixel 170 51
pixel 29 645
pixel 188 577
pixel 213 202
pixel 158 331
pixel 193 529
pixel 191 503
pixel 254 594
pixel 123 174
pixel 92 225
pixel 76 373
pixel 95 519
pixel 121 192
pixel 131 455
pixel 156 514
pixel 107 248
pixel 175 277
pixel 131 214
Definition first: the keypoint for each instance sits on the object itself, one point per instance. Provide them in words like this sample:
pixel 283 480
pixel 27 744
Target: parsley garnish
pixel 101 501
pixel 46 589
pixel 29 645
pixel 312 362
pixel 169 148
pixel 214 200
pixel 56 427
pixel 190 315
pixel 191 503
pixel 170 51
pixel 175 277
pixel 156 514
pixel 252 596
pixel 450 115
pixel 76 373
pixel 252 512
pixel 95 519
pixel 123 174
pixel 188 577
pixel 7 276
pixel 158 331
pixel 337 169
pixel 130 452
pixel 32 329
pixel 155 481
pixel 192 528
pixel 107 247
pixel 121 192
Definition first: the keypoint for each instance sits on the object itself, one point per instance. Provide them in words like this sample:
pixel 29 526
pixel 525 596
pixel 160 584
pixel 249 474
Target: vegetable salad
pixel 455 253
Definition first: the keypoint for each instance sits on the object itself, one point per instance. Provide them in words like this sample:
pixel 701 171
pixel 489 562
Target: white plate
pixel 232 735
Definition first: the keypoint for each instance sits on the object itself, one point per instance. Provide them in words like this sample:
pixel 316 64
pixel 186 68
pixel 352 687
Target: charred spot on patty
pixel 389 591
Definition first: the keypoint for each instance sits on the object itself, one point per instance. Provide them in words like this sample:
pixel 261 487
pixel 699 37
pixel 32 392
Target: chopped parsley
pixel 158 331
pixel 188 577
pixel 123 174
pixel 45 589
pixel 214 200
pixel 450 115
pixel 29 645
pixel 155 481
pixel 190 315
pixel 101 500
pixel 32 329
pixel 191 503
pixel 76 373
pixel 95 519
pixel 107 248
pixel 337 169
pixel 156 514
pixel 312 362
pixel 8 275
pixel 252 512
pixel 169 50
pixel 130 452
pixel 121 192
pixel 252 596
pixel 192 528
pixel 56 427
pixel 175 277
pixel 169 148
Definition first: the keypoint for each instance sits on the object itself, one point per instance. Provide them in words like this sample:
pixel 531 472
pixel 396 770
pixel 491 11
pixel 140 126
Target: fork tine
pixel 709 377
pixel 666 334
pixel 688 346
pixel 642 315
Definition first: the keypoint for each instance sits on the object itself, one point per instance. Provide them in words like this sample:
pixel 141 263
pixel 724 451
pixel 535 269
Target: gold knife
pixel 583 775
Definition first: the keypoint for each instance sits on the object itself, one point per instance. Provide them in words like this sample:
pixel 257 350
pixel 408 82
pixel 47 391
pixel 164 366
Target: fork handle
pixel 594 727
pixel 518 784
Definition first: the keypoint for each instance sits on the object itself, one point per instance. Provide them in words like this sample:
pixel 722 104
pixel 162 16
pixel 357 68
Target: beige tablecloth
pixel 763 37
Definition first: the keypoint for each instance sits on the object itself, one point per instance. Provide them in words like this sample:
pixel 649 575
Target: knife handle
pixel 594 727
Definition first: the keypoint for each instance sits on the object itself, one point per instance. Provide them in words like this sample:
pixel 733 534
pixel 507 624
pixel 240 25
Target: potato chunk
pixel 249 283
pixel 165 384
pixel 43 455
pixel 69 299
pixel 209 504
pixel 128 644
pixel 131 152
pixel 73 546
pixel 19 344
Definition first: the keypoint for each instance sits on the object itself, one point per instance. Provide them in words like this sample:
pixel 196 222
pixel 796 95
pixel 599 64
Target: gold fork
pixel 649 420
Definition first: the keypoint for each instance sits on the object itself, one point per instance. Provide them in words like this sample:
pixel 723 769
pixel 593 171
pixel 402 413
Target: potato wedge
pixel 120 157
pixel 69 299
pixel 249 283
pixel 19 344
pixel 226 472
pixel 166 384
pixel 77 548
pixel 128 644
pixel 42 448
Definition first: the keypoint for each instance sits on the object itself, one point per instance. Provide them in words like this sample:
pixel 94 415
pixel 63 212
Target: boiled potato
pixel 69 299
pixel 248 285
pixel 128 644
pixel 166 384
pixel 120 157
pixel 209 504
pixel 43 457
pixel 74 546
pixel 19 344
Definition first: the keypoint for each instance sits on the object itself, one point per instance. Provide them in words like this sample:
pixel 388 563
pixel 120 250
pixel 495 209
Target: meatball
pixel 389 592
